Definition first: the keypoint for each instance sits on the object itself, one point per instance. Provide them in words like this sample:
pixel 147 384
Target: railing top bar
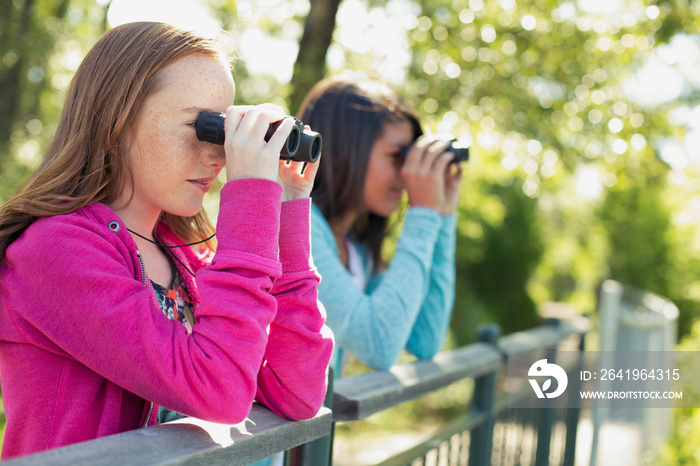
pixel 190 441
pixel 365 394
pixel 360 396
pixel 640 297
pixel 580 325
pixel 542 338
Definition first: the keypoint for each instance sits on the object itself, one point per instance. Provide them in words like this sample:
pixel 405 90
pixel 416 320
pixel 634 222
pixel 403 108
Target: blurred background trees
pixel 41 44
pixel 583 115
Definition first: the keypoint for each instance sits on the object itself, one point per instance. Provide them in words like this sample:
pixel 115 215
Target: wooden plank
pixel 360 396
pixel 191 442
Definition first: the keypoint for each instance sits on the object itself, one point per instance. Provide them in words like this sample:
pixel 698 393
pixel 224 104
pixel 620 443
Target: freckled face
pixel 172 169
pixel 383 186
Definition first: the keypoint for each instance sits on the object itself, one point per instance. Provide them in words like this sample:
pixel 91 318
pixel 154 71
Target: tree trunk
pixel 38 89
pixel 10 80
pixel 311 61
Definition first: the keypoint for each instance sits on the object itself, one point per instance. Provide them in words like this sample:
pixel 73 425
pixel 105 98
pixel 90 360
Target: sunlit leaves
pixel 538 85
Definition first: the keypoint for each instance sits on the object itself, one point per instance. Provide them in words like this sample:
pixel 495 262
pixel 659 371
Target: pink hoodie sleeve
pixel 75 281
pixel 293 378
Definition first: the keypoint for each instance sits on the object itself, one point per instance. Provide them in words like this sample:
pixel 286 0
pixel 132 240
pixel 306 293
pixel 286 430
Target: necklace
pixel 168 248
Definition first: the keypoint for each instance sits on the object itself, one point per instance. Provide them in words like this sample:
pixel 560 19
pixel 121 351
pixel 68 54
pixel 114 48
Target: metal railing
pixel 480 437
pixel 190 441
pixel 476 438
pixel 633 319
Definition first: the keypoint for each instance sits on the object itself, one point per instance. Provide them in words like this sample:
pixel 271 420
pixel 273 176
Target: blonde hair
pixel 85 162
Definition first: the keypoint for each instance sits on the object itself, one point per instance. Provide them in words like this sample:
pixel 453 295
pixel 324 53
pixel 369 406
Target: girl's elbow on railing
pixel 426 353
pixel 301 413
pixel 296 408
pixel 383 362
pixel 228 407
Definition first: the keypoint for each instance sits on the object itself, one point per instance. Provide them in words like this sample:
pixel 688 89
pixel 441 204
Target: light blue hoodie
pixel 408 305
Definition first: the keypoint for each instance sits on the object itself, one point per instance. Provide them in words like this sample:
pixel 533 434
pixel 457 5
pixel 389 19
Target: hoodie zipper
pixel 143 277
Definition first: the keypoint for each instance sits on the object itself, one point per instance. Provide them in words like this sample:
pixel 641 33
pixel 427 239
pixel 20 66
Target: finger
pixel 234 115
pixel 272 108
pixel 434 149
pixel 432 153
pixel 255 122
pixel 259 117
pixel 278 138
pixel 452 184
pixel 412 158
pixel 439 147
pixel 296 166
pixel 242 109
pixel 310 170
pixel 416 153
pixel 442 162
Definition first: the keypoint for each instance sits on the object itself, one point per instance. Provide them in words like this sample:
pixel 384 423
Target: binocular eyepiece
pixel 301 145
pixel 459 149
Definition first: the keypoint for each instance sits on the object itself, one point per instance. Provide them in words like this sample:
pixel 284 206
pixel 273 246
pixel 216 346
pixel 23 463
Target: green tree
pixel 537 84
pixel 488 290
pixel 310 64
pixel 37 40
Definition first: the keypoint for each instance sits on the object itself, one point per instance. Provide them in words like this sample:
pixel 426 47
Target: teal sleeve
pixel 375 325
pixel 433 320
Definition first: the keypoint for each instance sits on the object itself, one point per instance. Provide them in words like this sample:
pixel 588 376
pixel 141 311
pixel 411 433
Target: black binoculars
pixel 459 149
pixel 301 145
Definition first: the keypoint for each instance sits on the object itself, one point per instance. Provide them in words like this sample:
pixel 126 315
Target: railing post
pixel 481 439
pixel 546 420
pixel 320 451
pixel 573 413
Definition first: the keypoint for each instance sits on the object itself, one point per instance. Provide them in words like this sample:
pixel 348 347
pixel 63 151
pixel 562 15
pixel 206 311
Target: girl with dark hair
pixel 118 309
pixel 373 150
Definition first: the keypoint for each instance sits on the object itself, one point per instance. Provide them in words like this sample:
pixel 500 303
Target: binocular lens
pixel 291 145
pixel 293 140
pixel 461 152
pixel 314 147
pixel 301 145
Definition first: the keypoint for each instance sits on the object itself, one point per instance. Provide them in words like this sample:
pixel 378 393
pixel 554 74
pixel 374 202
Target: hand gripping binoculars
pixel 301 145
pixel 459 149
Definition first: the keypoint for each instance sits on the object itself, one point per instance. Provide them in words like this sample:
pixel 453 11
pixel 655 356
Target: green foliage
pixel 682 447
pixel 537 85
pixel 637 220
pixel 499 245
pixel 41 43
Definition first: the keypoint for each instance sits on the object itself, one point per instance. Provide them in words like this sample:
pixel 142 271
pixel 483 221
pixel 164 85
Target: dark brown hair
pixel 85 161
pixel 351 114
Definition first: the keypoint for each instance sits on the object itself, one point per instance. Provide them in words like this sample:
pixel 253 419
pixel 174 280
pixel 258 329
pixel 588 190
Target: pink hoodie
pixel 85 349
